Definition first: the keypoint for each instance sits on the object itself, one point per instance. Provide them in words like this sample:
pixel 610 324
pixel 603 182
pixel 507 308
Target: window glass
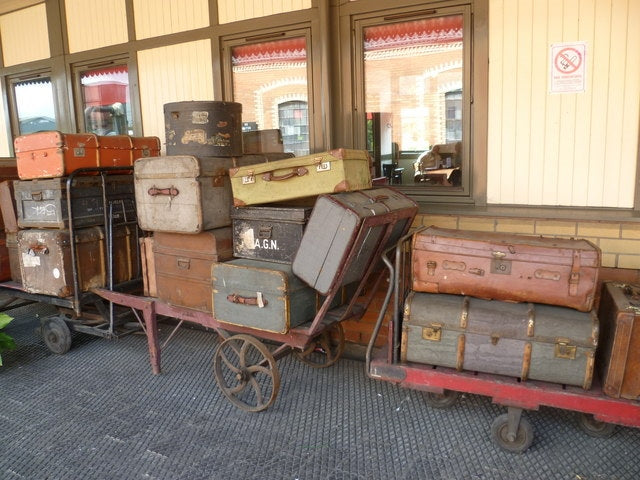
pixel 414 86
pixel 106 101
pixel 270 81
pixel 35 105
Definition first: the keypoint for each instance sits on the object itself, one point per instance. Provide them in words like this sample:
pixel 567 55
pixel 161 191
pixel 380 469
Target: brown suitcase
pixel 183 265
pixel 5 262
pixel 518 268
pixel 54 154
pixel 262 141
pixel 14 261
pixel 126 255
pixel 148 267
pixel 145 147
pixel 618 356
pixel 45 260
pixel 8 207
pixel 115 150
pixel 524 340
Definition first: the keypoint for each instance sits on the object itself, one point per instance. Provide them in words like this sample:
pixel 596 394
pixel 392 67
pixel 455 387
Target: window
pixel 34 105
pixel 105 101
pixel 270 79
pixel 294 124
pixel 415 93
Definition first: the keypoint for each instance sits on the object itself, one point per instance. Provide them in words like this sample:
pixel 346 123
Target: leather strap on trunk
pixel 574 277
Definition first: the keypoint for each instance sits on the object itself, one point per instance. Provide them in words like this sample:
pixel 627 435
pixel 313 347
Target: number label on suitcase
pixel 248 179
pixel 323 167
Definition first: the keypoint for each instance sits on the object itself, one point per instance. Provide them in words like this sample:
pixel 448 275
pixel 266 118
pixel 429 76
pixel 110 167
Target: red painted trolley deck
pixel 511 431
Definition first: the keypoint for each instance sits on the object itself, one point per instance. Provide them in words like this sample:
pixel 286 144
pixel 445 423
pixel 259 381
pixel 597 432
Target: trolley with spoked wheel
pixel 245 361
pixel 511 431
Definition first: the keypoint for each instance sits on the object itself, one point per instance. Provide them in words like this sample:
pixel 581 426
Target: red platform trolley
pixel 510 431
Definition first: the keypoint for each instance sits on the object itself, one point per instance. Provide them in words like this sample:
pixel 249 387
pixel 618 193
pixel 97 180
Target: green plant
pixel 6 342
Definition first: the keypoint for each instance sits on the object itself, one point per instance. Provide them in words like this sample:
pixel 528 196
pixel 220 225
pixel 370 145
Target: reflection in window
pixel 106 101
pixel 270 81
pixel 294 125
pixel 413 75
pixel 35 105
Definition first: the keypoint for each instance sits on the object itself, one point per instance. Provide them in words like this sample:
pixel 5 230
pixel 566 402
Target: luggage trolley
pixel 243 365
pixel 86 312
pixel 512 432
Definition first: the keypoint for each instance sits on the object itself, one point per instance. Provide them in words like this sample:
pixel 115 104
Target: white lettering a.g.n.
pixel 266 244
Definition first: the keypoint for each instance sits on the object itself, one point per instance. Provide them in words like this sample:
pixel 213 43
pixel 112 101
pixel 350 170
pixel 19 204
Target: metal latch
pixel 565 350
pixel 433 333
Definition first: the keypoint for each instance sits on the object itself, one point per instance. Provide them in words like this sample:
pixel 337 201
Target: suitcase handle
pixel 298 172
pixel 255 301
pixel 36 249
pixel 171 191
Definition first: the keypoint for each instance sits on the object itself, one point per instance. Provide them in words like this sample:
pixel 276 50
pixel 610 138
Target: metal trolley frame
pixel 511 431
pixel 84 312
pixel 244 367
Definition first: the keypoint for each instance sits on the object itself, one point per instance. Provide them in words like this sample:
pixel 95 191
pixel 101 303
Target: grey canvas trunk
pixel 524 340
pixel 345 231
pixel 262 295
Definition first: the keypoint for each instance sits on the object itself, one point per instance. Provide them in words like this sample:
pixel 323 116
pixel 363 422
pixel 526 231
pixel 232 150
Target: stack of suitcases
pixel 230 230
pixel 515 305
pixel 41 257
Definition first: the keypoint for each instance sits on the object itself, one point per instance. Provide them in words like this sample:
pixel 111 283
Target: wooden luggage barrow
pixel 244 368
pixel 84 311
pixel 510 431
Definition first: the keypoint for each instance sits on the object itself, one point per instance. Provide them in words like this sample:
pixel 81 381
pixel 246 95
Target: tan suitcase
pixel 338 170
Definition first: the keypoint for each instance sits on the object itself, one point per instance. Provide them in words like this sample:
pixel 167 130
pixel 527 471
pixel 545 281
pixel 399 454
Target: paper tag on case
pixel 30 260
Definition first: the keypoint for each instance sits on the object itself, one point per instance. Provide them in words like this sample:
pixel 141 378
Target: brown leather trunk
pixel 45 260
pixel 183 265
pixel 517 268
pixel 618 356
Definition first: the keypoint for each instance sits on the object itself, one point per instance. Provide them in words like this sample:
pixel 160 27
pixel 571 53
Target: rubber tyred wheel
pixel 523 438
pixel 56 334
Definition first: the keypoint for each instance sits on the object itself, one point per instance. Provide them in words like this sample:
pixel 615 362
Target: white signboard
pixel 568 67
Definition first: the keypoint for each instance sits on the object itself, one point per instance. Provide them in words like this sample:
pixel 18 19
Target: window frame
pixel 353 17
pixel 11 82
pixel 314 95
pixel 78 68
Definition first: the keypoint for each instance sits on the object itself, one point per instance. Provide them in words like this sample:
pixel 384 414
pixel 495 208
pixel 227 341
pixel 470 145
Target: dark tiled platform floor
pixel 97 412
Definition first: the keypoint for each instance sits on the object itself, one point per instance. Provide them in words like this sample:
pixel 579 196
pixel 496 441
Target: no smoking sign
pixel 567 67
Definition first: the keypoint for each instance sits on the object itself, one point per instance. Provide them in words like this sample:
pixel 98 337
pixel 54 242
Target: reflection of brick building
pixel 414 70
pixel 270 81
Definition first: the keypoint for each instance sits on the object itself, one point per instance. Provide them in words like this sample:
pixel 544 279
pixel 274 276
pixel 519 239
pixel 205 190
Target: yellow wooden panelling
pixel 515 226
pixel 95 23
pixel 166 75
pixel 629 261
pixel 620 246
pixel 602 230
pixel 608 260
pixel 574 149
pixel 24 27
pixel 557 228
pixel 235 10
pixel 162 17
pixel 630 231
pixel 476 223
pixel 444 221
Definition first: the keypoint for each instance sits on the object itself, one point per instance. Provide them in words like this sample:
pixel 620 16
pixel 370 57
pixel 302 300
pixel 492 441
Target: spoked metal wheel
pixel 446 399
pixel 246 373
pixel 594 427
pixel 56 334
pixel 515 441
pixel 325 349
